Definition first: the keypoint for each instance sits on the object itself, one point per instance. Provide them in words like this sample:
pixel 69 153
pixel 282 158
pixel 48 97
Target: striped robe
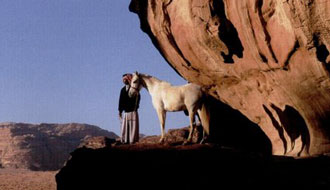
pixel 130 127
pixel 130 118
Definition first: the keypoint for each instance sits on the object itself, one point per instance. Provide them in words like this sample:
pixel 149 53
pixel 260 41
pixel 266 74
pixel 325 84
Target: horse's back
pixel 193 86
pixel 189 89
pixel 175 98
pixel 192 89
pixel 191 93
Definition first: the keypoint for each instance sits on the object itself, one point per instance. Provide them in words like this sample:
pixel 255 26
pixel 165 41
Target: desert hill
pixel 42 146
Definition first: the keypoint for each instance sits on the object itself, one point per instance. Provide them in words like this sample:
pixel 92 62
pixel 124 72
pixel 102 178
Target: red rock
pixel 268 59
pixel 97 142
pixel 174 136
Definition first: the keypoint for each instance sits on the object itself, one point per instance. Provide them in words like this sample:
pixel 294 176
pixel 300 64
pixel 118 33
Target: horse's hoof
pixel 186 143
pixel 161 141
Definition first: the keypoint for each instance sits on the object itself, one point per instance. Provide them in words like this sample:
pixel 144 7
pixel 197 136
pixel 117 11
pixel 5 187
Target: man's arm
pixel 120 105
pixel 138 101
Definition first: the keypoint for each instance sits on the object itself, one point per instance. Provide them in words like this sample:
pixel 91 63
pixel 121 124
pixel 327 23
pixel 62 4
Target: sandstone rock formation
pixel 44 146
pixel 269 59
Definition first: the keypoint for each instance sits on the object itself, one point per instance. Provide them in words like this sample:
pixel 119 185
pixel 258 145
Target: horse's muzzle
pixel 131 93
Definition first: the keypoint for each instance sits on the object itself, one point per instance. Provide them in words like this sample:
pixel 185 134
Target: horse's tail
pixel 204 115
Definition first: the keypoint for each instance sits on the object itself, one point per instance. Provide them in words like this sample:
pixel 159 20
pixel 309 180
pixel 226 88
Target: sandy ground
pixel 19 179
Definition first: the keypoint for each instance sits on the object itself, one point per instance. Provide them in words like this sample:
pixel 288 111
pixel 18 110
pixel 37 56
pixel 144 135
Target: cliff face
pixel 44 146
pixel 268 59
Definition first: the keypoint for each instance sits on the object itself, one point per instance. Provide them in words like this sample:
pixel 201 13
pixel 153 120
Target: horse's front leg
pixel 162 116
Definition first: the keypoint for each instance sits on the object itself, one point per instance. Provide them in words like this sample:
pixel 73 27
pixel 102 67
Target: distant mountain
pixel 43 146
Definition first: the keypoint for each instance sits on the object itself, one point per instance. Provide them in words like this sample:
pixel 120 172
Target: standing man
pixel 130 118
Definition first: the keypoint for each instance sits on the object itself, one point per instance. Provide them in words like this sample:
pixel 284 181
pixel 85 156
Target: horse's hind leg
pixel 204 133
pixel 205 121
pixel 203 138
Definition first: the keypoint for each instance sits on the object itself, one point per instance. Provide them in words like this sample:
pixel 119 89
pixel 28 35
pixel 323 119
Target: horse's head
pixel 135 85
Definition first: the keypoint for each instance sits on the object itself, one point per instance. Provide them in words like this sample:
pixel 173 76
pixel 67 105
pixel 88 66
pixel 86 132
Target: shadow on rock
pixel 231 128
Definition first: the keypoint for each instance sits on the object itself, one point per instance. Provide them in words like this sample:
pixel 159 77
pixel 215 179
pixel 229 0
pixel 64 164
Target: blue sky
pixel 62 61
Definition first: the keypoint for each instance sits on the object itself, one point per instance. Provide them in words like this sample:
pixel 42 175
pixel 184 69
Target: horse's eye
pixel 135 81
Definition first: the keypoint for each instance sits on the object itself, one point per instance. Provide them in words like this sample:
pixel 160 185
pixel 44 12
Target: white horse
pixel 166 97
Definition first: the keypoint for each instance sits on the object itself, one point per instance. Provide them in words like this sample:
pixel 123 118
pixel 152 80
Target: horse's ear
pixel 136 73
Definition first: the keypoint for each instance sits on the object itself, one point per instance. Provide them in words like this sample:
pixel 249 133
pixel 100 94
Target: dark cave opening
pixel 231 128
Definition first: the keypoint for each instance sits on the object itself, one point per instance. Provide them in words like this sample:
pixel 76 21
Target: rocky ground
pixel 100 163
pixel 22 179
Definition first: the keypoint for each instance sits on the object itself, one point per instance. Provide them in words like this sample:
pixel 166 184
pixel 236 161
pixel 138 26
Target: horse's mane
pixel 153 78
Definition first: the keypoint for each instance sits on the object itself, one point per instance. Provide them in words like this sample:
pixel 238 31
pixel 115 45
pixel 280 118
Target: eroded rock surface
pixel 269 59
